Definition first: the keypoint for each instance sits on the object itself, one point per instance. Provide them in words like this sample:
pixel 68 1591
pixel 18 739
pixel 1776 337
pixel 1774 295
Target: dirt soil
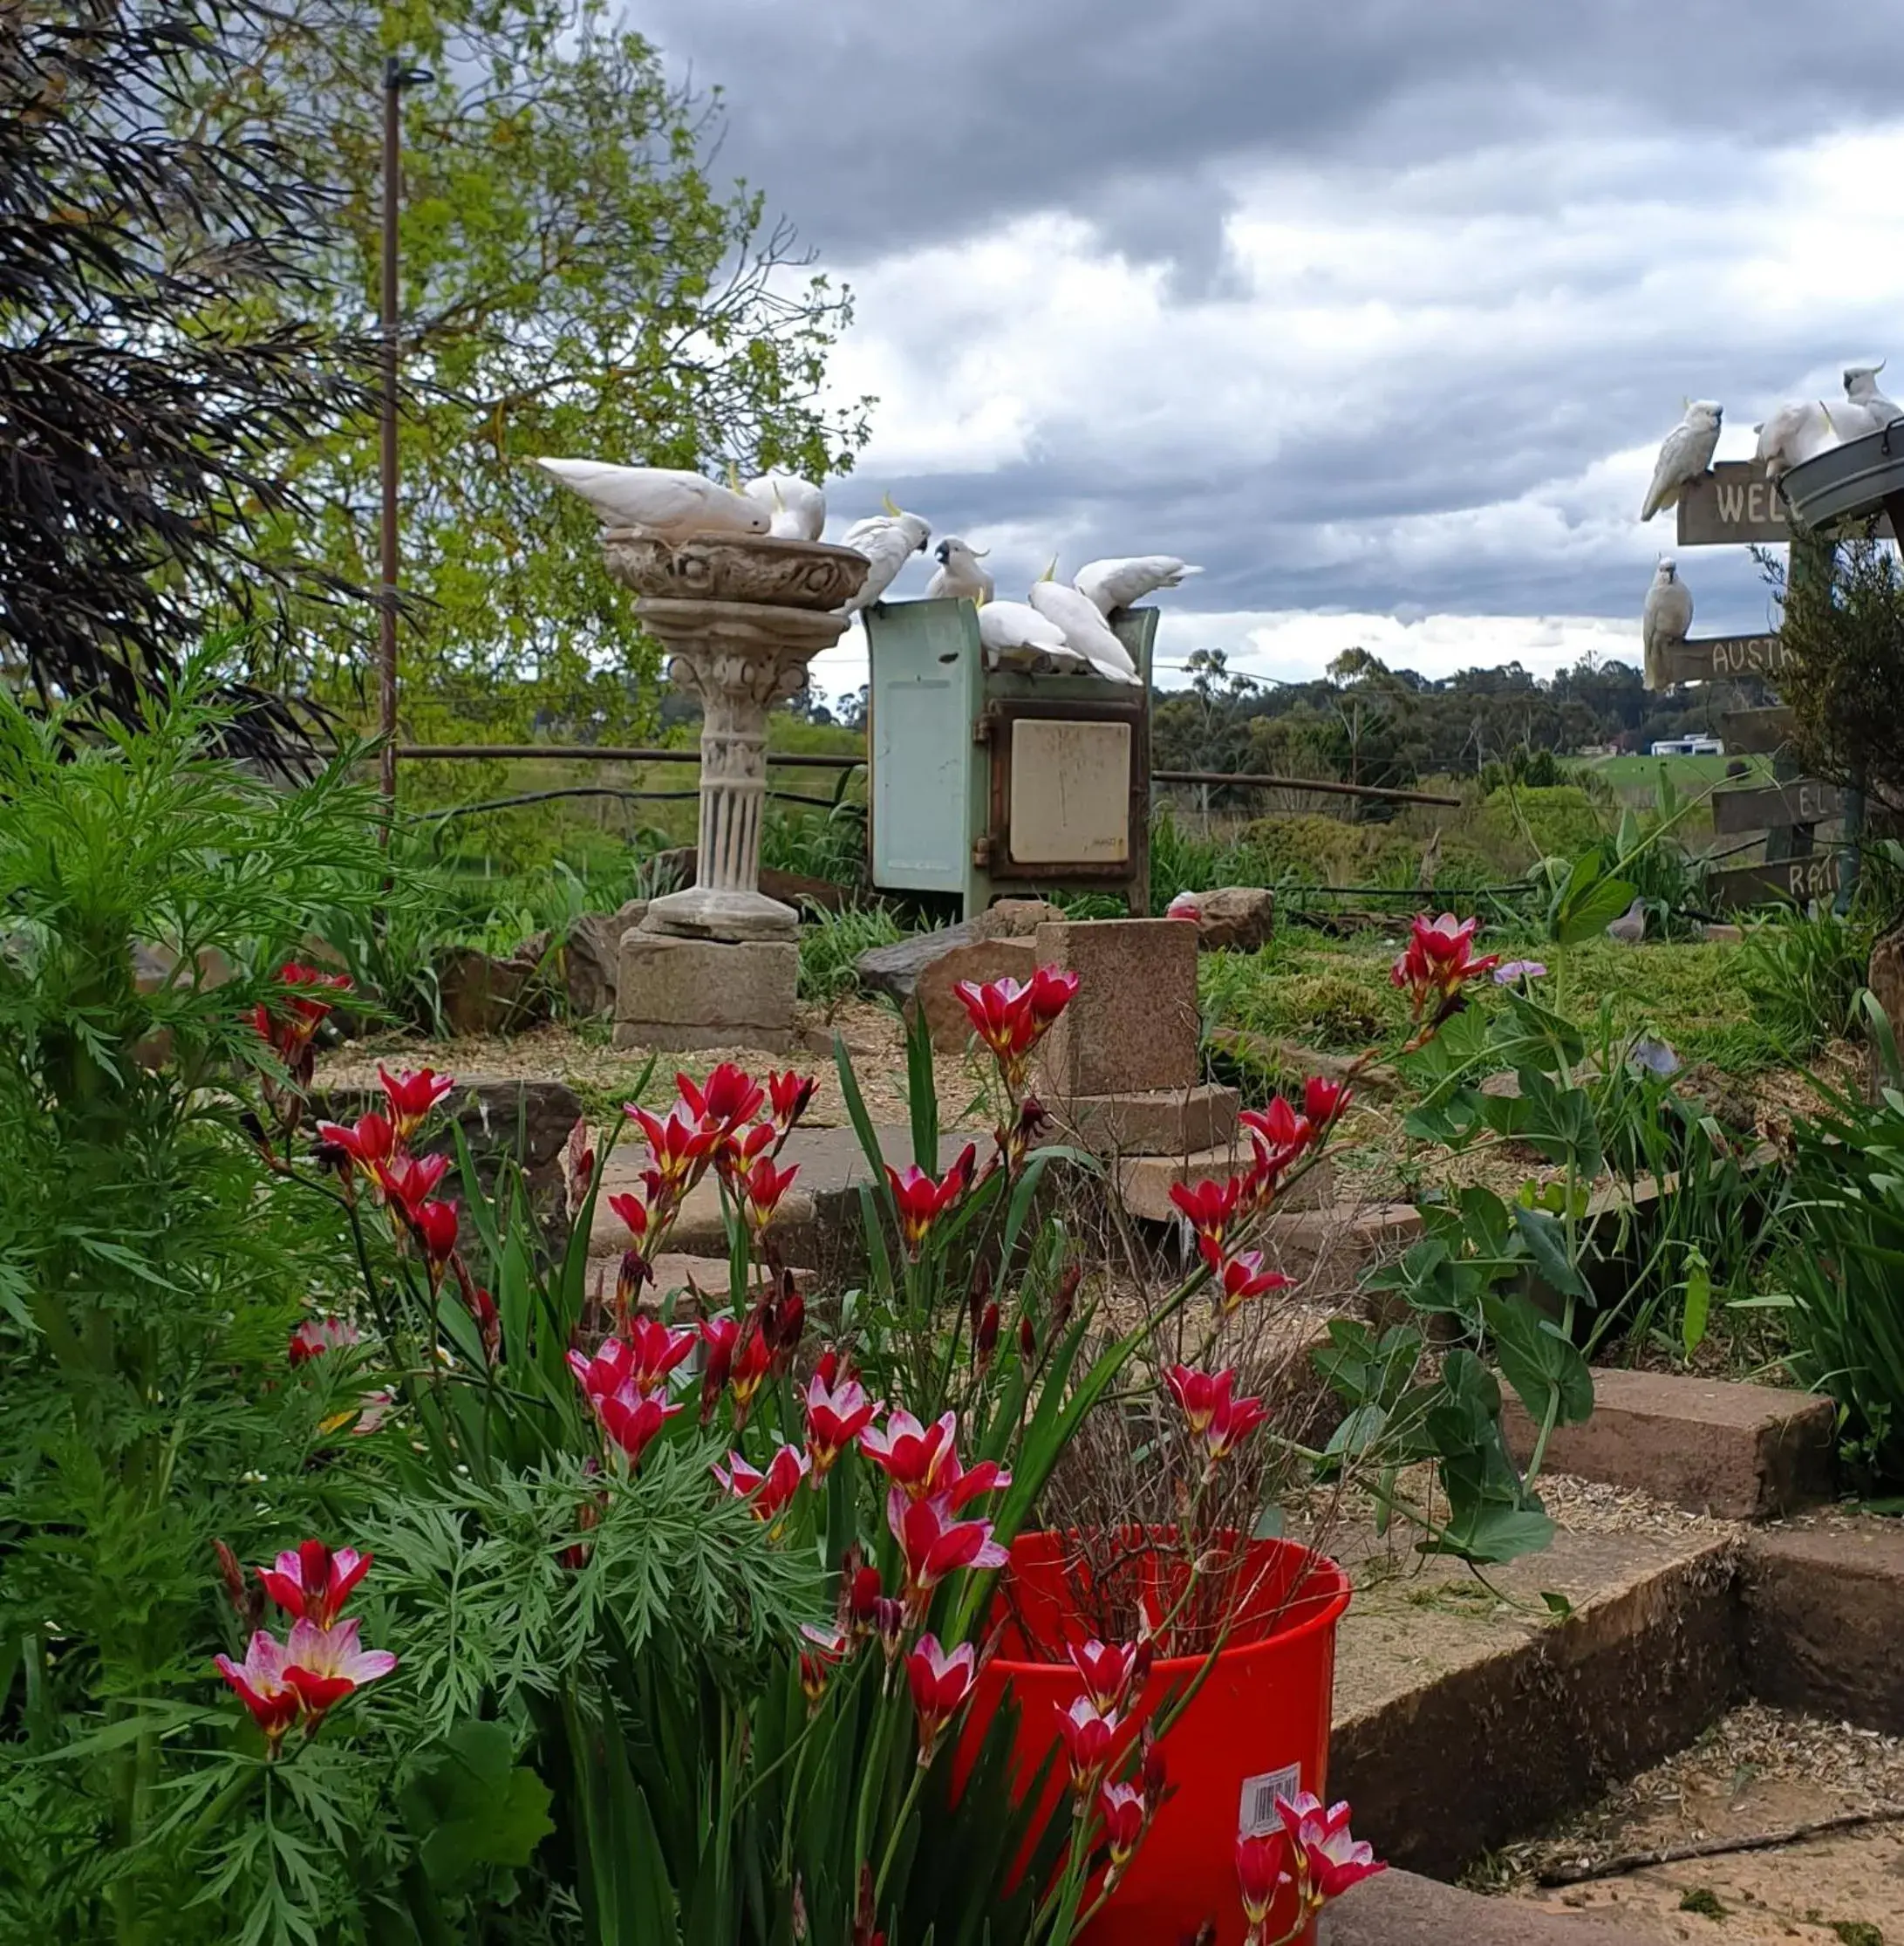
pixel 1757 1770
pixel 605 1076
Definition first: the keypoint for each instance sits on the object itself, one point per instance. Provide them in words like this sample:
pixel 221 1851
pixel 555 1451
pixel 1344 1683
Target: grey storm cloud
pixel 873 122
pixel 1619 152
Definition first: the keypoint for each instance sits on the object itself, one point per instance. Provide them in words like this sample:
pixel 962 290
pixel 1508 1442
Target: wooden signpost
pixel 1735 504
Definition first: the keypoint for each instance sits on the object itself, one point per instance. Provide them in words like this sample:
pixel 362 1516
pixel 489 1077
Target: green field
pixel 1689 774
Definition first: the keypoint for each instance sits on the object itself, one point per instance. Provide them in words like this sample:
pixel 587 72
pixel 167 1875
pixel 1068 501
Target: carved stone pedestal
pixel 716 965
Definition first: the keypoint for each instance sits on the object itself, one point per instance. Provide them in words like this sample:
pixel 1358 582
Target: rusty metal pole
pixel 386 593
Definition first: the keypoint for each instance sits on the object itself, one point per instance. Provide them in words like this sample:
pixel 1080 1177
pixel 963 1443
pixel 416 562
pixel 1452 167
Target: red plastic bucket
pixel 1257 1728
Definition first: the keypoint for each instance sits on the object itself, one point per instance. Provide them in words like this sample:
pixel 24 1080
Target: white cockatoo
pixel 889 541
pixel 958 573
pixel 1108 584
pixel 659 500
pixel 1861 389
pixel 1015 633
pixel 1685 456
pixel 1664 619
pixel 1085 629
pixel 1797 432
pixel 796 508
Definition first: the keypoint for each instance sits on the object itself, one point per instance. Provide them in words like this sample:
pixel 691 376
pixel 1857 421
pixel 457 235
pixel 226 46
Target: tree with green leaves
pixel 574 281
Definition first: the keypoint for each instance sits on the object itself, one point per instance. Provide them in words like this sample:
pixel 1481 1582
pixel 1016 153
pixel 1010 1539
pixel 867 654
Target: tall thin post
pixel 394 77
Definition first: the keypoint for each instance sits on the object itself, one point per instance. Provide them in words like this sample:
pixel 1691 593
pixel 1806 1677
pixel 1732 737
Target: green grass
pixel 1335 997
pixel 833 941
pixel 1688 774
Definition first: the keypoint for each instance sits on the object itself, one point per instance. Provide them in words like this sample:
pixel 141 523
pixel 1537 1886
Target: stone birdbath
pixel 741 615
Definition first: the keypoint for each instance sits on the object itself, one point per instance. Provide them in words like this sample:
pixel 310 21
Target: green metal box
pixel 987 783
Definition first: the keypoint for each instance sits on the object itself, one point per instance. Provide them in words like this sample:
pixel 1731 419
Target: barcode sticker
pixel 1257 1813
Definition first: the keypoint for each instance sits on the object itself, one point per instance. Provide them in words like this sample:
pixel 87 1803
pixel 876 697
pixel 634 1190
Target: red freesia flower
pixel 261 1685
pixel 1209 1207
pixel 1230 1425
pixel 729 1097
pixel 435 1224
pixel 769 1494
pixel 1202 1395
pixel 863 1593
pixel 368 1141
pixel 921 1201
pixel 1278 1134
pixel 1051 990
pixel 817 1661
pixel 311 1583
pixel 1325 1101
pixel 912 1455
pixel 1242 1277
pixel 960 1488
pixel 315 1336
pixel 940 1683
pixel 410 1181
pixel 789 1096
pixel 1088 1734
pixel 1328 1857
pixel 741 1147
pixel 934 1544
pixel 679 1147
pixel 836 1414
pixel 657 1349
pixel 411 1097
pixel 633 1212
pixel 753 1360
pixel 761 1189
pixel 1438 960
pixel 1123 1808
pixel 1261 1872
pixel 1107 1670
pixel 633 1421
pixel 287 1023
pixel 607 1372
pixel 325 1665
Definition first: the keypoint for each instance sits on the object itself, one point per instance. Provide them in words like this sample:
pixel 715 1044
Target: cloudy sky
pixel 1377 309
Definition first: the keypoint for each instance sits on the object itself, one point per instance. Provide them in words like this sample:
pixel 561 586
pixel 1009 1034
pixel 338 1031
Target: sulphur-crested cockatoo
pixel 1108 584
pixel 1862 388
pixel 889 541
pixel 1084 627
pixel 659 500
pixel 1685 456
pixel 1015 634
pixel 958 574
pixel 796 508
pixel 1799 432
pixel 1664 619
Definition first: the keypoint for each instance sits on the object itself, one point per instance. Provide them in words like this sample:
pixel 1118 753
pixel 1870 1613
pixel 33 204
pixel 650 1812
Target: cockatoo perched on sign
pixel 889 541
pixel 1084 627
pixel 1109 584
pixel 1684 457
pixel 657 499
pixel 959 574
pixel 1014 632
pixel 1664 619
pixel 1862 388
pixel 796 507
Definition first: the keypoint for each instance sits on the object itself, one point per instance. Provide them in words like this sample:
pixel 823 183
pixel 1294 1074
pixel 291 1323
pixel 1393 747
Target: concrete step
pixel 1145 1182
pixel 1740 1452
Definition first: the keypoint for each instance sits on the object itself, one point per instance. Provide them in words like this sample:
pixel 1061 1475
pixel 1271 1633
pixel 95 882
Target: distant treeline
pixel 1367 723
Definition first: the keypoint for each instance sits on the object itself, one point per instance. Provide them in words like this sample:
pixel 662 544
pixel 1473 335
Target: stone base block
pixel 1135 1024
pixel 1157 1122
pixel 677 992
pixel 1741 1453
pixel 1400 1908
pixel 1145 1182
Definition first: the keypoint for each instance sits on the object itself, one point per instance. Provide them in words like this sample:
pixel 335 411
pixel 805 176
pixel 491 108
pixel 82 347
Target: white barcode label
pixel 1257 1813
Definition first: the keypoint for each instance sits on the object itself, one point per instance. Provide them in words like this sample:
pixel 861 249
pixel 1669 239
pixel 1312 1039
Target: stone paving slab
pixel 1145 1182
pixel 1398 1908
pixel 1740 1452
